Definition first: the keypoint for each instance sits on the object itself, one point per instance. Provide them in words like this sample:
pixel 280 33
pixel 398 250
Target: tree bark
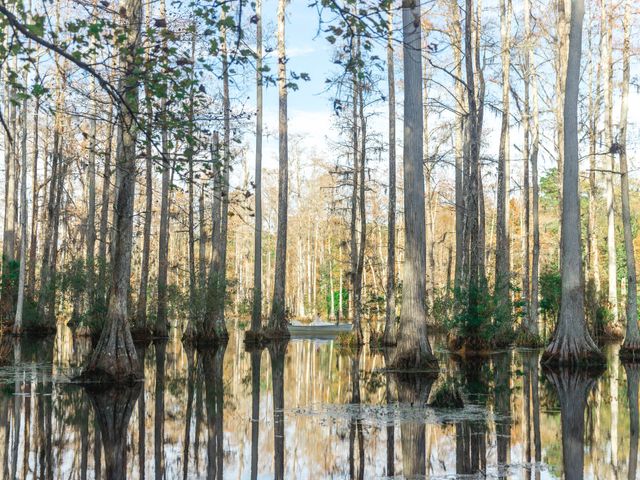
pixel 572 343
pixel 114 358
pixel 256 313
pixel 277 319
pixel 413 350
pixel 389 337
pixel 612 262
pixel 160 328
pixel 631 345
pixel 503 247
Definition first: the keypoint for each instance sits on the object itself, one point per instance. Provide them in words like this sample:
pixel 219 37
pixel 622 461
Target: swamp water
pixel 311 410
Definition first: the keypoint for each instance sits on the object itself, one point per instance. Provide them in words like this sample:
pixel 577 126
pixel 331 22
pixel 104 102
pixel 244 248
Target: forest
pixel 423 211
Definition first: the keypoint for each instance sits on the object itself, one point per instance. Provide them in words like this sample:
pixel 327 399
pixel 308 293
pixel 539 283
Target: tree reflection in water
pixel 340 417
pixel 573 387
pixel 112 407
pixel 277 352
pixel 413 390
pixel 212 368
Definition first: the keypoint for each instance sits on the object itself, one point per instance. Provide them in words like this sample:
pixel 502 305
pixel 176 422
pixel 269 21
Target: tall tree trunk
pixel 256 313
pixel 503 247
pixel 35 202
pixel 141 308
pixel 104 209
pixel 459 132
pixel 194 297
pixel 631 345
pixel 17 325
pixel 593 277
pixel 91 207
pixel 7 296
pixel 612 262
pixel 115 359
pixel 473 257
pixel 535 216
pixel 413 350
pixel 217 275
pixel 359 170
pixel 160 328
pixel 572 343
pixel 277 319
pixel 390 311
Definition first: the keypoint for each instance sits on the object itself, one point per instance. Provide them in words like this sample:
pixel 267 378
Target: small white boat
pixel 320 330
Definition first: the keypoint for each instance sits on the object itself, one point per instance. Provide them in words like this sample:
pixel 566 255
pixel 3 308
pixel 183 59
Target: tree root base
pixel 410 363
pixel 589 359
pixel 254 340
pixel 99 379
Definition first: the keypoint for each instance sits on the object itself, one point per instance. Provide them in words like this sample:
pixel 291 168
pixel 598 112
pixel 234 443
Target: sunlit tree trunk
pixel 256 313
pixel 160 328
pixel 631 345
pixel 141 308
pixel 612 263
pixel 277 319
pixel 17 325
pixel 502 264
pixel 413 350
pixel 390 311
pixel 572 343
pixel 104 211
pixel 35 201
pixel 115 359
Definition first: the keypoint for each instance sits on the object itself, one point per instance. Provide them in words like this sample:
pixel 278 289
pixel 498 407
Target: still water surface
pixel 311 410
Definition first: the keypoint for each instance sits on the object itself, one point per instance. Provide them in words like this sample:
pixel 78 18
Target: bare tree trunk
pixel 17 325
pixel 535 254
pixel 413 350
pixel 104 211
pixel 526 150
pixel 160 328
pixel 459 132
pixel 7 296
pixel 141 308
pixel 503 241
pixel 572 343
pixel 194 296
pixel 277 319
pixel 359 171
pixel 217 275
pixel 114 358
pixel 390 312
pixel 612 262
pixel 631 345
pixel 33 249
pixel 91 207
pixel 256 313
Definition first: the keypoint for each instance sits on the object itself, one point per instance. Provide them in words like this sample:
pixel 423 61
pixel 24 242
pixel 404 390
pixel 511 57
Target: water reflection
pixel 112 408
pixel 306 409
